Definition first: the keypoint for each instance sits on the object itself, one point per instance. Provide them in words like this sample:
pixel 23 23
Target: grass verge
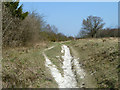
pixel 99 57
pixel 54 55
pixel 24 67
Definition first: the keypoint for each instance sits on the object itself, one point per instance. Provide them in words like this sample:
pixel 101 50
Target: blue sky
pixel 68 16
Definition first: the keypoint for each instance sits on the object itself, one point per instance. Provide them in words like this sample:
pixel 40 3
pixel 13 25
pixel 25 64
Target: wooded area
pixel 23 28
pixel 93 27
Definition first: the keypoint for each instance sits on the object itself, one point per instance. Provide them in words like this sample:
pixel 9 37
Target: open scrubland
pixel 25 67
pixel 98 58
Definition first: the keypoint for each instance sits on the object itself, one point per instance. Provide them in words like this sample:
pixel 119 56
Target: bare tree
pixel 91 25
pixel 30 28
pixel 54 29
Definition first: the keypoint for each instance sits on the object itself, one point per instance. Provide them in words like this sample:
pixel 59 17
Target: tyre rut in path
pixel 68 80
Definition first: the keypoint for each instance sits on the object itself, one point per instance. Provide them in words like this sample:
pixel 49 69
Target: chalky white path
pixel 68 80
pixel 78 69
pixel 69 77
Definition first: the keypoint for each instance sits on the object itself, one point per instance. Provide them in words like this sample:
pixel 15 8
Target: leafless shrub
pixel 10 31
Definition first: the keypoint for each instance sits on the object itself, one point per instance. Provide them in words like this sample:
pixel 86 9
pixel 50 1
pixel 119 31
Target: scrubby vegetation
pixel 99 57
pixel 24 28
pixel 26 35
pixel 24 68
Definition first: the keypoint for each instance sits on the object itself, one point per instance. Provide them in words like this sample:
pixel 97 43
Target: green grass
pixel 26 69
pixel 100 57
pixel 53 54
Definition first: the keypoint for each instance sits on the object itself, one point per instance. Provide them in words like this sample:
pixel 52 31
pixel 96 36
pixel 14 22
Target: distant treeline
pixel 24 28
pixel 27 28
pixel 103 33
pixel 108 33
pixel 92 27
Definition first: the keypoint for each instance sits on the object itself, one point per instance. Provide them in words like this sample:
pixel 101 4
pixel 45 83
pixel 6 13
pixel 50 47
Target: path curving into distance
pixel 68 80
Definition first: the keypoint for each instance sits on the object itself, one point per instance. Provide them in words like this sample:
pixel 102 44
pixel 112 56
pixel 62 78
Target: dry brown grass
pixel 99 57
pixel 24 67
